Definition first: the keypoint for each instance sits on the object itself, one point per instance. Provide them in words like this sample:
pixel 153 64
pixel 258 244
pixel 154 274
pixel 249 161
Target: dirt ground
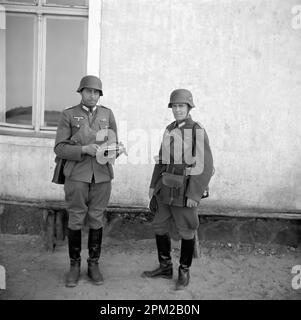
pixel 223 271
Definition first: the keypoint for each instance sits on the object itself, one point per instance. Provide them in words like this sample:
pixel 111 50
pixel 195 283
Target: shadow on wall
pixel 23 115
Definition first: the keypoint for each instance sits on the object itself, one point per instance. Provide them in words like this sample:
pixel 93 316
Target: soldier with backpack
pixel 180 179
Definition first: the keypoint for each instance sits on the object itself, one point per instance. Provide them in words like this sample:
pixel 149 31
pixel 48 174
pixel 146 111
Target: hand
pixel 122 149
pixel 151 192
pixel 191 203
pixel 90 149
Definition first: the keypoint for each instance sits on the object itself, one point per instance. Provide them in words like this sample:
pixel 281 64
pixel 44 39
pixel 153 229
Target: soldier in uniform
pixel 82 130
pixel 180 179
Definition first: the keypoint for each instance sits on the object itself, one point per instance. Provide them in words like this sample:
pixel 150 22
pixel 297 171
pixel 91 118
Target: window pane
pixel 19 68
pixel 66 45
pixel 68 2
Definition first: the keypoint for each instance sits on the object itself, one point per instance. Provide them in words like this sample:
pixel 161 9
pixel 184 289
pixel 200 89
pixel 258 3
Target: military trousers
pixel 184 219
pixel 86 201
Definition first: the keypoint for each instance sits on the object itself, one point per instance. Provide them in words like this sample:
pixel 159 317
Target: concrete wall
pixel 242 62
pixel 26 168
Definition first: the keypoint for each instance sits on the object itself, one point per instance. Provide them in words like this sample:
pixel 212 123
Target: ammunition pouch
pixel 173 189
pixel 172 180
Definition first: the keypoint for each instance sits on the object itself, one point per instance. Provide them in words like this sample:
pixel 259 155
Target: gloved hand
pixel 153 205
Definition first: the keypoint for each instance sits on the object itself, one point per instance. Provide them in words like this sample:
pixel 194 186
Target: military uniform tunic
pixel 88 183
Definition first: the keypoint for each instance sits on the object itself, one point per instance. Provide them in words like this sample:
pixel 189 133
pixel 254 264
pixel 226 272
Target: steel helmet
pixel 181 96
pixel 92 82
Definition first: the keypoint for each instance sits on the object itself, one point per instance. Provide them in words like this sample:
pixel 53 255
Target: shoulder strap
pixel 67 108
pixel 198 123
pixel 104 112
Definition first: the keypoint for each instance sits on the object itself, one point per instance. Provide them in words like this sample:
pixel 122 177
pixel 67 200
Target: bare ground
pixel 223 271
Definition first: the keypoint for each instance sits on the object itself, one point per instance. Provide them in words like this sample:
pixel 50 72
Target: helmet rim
pixel 181 96
pixel 92 82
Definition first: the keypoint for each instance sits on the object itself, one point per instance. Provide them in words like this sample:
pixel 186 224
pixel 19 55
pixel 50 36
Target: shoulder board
pixel 99 105
pixel 70 107
pixel 199 124
pixel 171 125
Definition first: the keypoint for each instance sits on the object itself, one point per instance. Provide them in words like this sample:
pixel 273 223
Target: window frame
pixel 40 9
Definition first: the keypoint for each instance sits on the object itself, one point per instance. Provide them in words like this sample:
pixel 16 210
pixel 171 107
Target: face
pixel 180 111
pixel 90 97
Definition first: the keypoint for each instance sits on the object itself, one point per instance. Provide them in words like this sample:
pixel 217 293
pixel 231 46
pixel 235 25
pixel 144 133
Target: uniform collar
pixel 88 110
pixel 182 123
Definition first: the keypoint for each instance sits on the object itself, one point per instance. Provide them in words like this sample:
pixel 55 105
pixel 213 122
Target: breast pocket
pixel 103 124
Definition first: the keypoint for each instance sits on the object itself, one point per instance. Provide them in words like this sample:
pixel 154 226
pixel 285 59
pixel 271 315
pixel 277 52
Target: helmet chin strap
pixel 188 112
pixel 187 115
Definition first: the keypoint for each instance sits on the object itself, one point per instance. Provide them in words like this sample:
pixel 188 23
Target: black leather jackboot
pixel 165 268
pixel 187 249
pixel 74 244
pixel 94 247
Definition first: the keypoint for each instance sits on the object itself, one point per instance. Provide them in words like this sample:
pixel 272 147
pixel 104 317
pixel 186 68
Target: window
pixel 43 55
pixel 65 64
pixel 19 68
